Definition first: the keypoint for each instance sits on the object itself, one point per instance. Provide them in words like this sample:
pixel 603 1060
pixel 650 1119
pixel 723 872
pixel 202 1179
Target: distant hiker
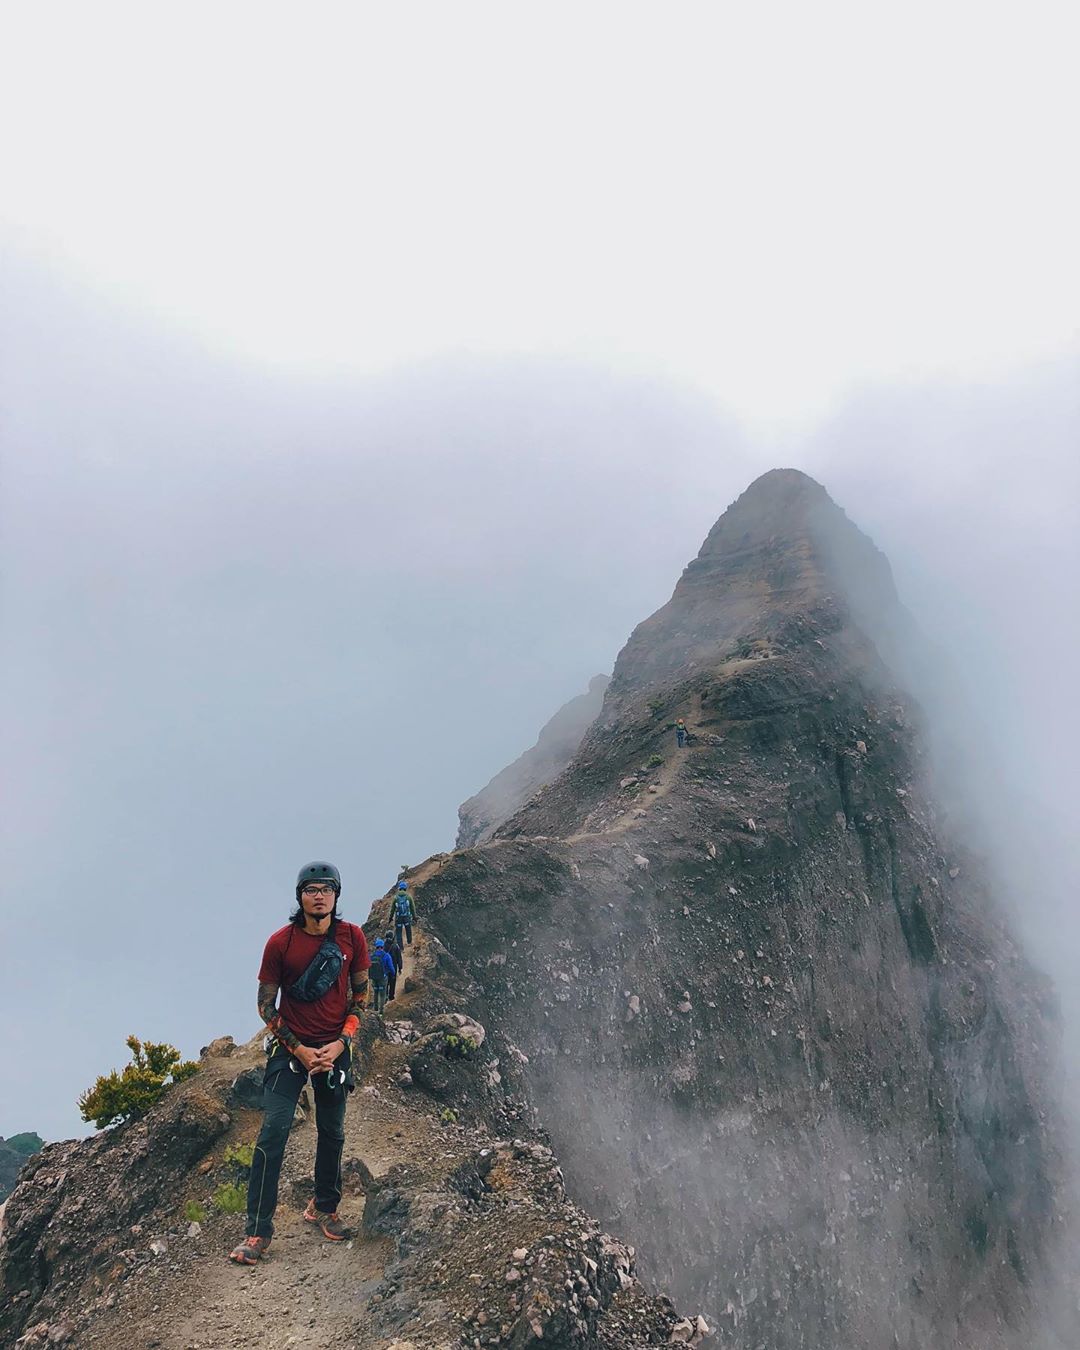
pixel 404 914
pixel 319 966
pixel 392 946
pixel 680 733
pixel 382 967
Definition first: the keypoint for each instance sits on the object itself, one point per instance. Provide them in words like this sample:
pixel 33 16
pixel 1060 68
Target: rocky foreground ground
pixel 463 1235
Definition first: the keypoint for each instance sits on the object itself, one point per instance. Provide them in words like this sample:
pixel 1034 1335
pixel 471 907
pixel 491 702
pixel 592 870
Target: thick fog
pixel 973 492
pixel 248 624
pixel 249 621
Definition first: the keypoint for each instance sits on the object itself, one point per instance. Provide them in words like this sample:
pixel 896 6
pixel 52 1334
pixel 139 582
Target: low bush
pixel 194 1212
pixel 131 1093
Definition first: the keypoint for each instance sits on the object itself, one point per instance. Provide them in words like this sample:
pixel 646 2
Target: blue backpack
pixel 403 909
pixel 377 971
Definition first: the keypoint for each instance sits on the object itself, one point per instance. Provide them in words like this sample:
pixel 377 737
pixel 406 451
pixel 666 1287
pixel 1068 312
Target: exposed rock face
pixel 67 1226
pixel 467 1236
pixel 775 1025
pixel 509 790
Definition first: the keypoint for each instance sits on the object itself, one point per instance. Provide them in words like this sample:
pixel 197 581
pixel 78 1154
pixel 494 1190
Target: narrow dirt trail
pixel 661 778
pixel 307 1292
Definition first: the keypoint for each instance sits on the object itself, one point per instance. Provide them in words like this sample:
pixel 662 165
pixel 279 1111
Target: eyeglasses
pixel 317 890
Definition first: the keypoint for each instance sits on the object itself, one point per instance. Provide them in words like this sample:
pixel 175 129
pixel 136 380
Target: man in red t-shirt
pixel 318 965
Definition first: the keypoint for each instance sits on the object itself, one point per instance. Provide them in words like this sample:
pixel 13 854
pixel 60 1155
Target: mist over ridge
pixel 775 1017
pixel 214 579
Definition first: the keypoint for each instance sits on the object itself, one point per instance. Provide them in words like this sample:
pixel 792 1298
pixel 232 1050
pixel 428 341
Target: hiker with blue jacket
pixel 404 914
pixel 382 968
pixel 312 986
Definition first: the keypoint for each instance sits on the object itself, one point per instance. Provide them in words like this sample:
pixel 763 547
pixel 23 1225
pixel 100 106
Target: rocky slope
pixel 747 1003
pixel 464 1233
pixel 510 789
pixel 778 1030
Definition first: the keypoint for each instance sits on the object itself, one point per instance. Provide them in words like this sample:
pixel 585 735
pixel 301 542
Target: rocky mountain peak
pixel 774 1016
pixel 779 502
pixel 782 549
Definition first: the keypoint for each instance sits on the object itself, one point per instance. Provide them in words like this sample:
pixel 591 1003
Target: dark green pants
pixel 282 1085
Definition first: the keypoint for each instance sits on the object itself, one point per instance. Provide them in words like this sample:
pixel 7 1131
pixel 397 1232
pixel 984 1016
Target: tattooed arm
pixel 358 983
pixel 268 1011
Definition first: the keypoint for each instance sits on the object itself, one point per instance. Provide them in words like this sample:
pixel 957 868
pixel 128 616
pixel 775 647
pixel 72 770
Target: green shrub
pixel 459 1047
pixel 194 1212
pixel 448 1115
pixel 240 1156
pixel 230 1198
pixel 655 761
pixel 131 1093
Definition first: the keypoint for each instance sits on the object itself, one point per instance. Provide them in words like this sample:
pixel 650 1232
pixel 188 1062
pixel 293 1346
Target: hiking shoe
pixel 330 1225
pixel 249 1252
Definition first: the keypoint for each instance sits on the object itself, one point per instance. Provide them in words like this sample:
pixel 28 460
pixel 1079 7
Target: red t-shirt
pixel 288 954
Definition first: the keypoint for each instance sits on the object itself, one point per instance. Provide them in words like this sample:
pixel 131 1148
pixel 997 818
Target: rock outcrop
pixel 465 1236
pixel 69 1224
pixel 510 789
pixel 775 1023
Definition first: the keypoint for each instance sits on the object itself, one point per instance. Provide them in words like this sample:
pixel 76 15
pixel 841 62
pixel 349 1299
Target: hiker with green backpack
pixel 404 914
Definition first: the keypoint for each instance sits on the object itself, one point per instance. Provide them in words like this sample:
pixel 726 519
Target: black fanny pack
pixel 322 974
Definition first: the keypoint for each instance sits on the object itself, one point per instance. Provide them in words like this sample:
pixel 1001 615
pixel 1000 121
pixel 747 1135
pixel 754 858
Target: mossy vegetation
pixel 230 1198
pixel 239 1157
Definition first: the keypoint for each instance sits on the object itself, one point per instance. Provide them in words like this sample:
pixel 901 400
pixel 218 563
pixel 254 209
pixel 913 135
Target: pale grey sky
pixel 772 202
pixel 366 378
